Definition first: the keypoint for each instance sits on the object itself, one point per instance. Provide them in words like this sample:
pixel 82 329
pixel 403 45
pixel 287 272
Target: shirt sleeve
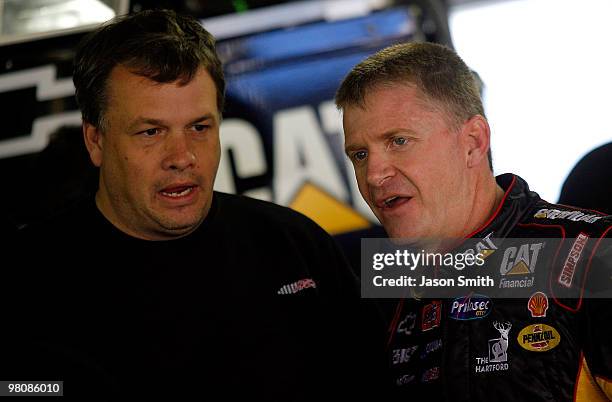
pixel 597 313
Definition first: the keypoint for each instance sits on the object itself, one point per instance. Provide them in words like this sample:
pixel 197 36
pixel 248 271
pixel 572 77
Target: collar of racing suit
pixel 517 201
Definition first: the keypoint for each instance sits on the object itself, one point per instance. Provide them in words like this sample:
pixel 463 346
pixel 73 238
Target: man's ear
pixel 94 141
pixel 477 135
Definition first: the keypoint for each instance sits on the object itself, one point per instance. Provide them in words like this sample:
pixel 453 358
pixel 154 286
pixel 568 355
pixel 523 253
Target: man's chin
pixel 396 230
pixel 401 235
pixel 178 226
pixel 406 235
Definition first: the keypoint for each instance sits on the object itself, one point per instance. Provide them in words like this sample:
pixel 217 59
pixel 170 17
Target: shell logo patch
pixel 538 304
pixel 538 338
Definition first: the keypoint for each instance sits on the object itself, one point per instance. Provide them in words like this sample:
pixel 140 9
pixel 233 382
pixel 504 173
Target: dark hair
pixel 158 44
pixel 437 71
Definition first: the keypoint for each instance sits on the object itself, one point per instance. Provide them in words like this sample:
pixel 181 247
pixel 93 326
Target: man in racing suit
pixel 416 134
pixel 573 358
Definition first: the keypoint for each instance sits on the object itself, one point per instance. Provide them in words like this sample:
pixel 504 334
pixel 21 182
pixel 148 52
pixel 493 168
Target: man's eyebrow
pixel 350 148
pixel 208 116
pixel 384 136
pixel 145 120
pixel 393 132
pixel 157 122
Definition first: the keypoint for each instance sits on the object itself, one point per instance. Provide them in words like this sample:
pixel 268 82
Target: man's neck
pixel 488 198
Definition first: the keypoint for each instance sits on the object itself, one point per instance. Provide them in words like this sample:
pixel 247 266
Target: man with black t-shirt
pixel 159 285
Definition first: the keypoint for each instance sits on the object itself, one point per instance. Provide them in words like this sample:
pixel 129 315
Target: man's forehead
pixel 121 73
pixel 130 96
pixel 389 108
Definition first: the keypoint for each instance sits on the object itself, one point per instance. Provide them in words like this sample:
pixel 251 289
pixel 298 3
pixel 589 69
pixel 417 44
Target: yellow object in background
pixel 330 213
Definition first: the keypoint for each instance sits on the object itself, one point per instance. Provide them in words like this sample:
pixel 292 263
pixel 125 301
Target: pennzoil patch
pixel 538 338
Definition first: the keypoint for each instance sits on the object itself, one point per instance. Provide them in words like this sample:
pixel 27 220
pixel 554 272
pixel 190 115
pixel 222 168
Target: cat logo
pixel 520 260
pixel 485 247
pixel 486 252
pixel 538 338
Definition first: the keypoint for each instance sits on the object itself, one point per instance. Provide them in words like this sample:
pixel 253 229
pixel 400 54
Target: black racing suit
pixel 553 346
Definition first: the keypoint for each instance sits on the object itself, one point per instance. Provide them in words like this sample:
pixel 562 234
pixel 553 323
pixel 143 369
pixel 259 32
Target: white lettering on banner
pixel 243 139
pixel 358 200
pixel 301 154
pixel 331 120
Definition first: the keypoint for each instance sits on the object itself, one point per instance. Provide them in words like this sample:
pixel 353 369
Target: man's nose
pixel 179 153
pixel 378 170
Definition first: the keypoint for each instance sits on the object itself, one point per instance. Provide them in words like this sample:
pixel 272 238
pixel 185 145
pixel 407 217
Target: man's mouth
pixel 392 202
pixel 177 191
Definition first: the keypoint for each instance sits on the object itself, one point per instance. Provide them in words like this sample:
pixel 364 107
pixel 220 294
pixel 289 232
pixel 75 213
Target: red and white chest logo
pixel 297 286
pixel 538 304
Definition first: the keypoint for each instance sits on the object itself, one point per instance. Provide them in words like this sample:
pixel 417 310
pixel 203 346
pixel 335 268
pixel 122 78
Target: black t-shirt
pixel 257 302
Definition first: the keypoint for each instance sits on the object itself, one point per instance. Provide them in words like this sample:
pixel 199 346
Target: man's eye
pixel 150 132
pixel 360 155
pixel 200 127
pixel 399 141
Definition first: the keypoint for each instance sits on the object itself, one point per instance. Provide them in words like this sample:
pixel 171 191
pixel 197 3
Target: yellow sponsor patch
pixel 538 338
